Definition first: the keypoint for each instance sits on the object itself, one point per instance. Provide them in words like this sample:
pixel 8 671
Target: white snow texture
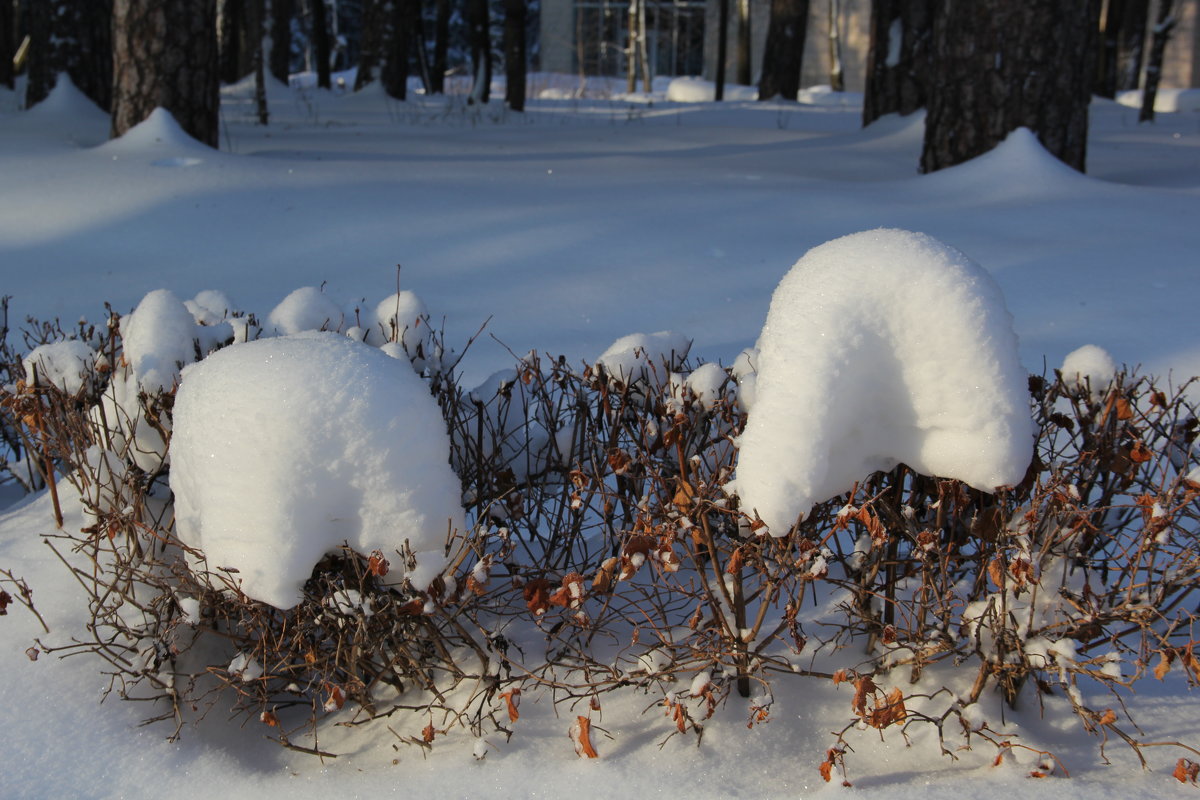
pixel 879 348
pixel 286 448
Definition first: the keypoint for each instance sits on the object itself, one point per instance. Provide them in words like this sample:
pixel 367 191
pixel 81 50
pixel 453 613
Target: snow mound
pixel 159 131
pixel 67 101
pixel 401 318
pixel 824 95
pixel 635 357
pixel 159 338
pixel 306 309
pixel 1089 366
pixel 288 447
pixel 880 348
pixel 66 364
pixel 210 307
pixel 1018 165
pixel 698 90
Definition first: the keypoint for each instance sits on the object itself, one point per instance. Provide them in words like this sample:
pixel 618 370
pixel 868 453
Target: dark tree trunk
pixel 441 38
pixel 722 47
pixel 371 44
pixel 281 39
pixel 395 68
pixel 897 66
pixel 8 37
pixel 1162 32
pixel 514 53
pixel 1120 62
pixel 83 30
pixel 783 54
pixel 998 66
pixel 256 28
pixel 320 35
pixel 165 54
pixel 481 50
pixel 41 68
pixel 236 60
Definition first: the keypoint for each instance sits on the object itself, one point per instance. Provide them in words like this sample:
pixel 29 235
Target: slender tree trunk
pixel 837 81
pixel 441 38
pixel 514 53
pixel 999 65
pixel 631 50
pixel 1162 32
pixel 898 58
pixel 722 47
pixel 165 54
pixel 7 43
pixel 41 69
pixel 643 46
pixel 83 33
pixel 481 50
pixel 745 75
pixel 282 12
pixel 783 54
pixel 257 30
pixel 320 34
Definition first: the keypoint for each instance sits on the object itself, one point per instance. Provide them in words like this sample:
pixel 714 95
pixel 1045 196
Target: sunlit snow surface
pixel 571 226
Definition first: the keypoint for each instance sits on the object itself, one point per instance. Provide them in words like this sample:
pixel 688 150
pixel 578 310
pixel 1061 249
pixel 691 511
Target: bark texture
pixel 40 68
pixel 898 65
pixel 1124 48
pixel 399 49
pixel 783 54
pixel 998 66
pixel 320 34
pixel 165 55
pixel 371 45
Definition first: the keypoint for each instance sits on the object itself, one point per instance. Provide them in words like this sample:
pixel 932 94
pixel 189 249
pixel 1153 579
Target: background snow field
pixel 569 227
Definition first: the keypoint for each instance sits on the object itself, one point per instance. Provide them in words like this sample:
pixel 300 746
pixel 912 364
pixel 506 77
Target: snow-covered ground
pixel 581 221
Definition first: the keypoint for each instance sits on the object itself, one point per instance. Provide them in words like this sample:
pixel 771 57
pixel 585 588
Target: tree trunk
pixel 1162 32
pixel 745 75
pixel 236 60
pixel 41 69
pixel 85 47
pixel 441 38
pixel 1120 60
pixel 8 37
pixel 374 21
pixel 998 66
pixel 722 47
pixel 256 29
pixel 165 54
pixel 281 39
pixel 783 54
pixel 898 59
pixel 514 53
pixel 481 50
pixel 320 26
pixel 837 80
pixel 395 68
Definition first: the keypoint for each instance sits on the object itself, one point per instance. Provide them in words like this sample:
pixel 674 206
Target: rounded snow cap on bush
pixel 286 448
pixel 882 347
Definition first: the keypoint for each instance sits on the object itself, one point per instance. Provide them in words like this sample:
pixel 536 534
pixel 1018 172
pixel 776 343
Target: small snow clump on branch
pixel 67 365
pixel 635 357
pixel 879 348
pixel 286 448
pixel 306 309
pixel 1089 366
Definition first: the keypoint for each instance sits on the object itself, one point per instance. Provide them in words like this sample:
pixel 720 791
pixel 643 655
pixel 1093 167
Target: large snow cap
pixel 879 348
pixel 286 448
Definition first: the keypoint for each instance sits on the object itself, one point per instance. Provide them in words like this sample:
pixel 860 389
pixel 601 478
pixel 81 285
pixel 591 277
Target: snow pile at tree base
pixel 286 448
pixel 881 348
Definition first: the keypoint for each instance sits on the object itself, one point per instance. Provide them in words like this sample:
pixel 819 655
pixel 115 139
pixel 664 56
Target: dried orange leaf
pixel 581 735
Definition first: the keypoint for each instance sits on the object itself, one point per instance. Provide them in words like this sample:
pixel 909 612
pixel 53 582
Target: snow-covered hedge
pixel 284 517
